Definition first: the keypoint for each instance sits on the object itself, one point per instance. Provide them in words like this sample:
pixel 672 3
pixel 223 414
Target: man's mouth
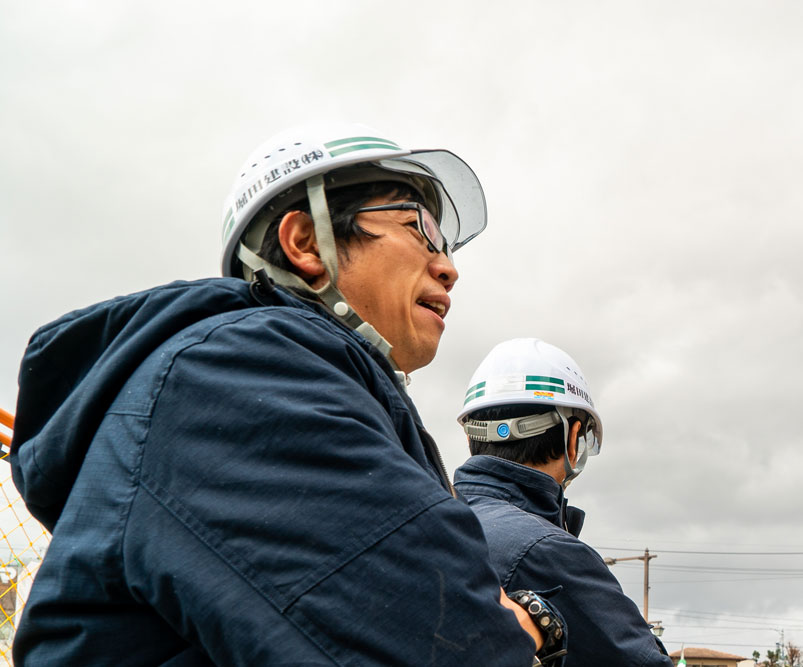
pixel 435 306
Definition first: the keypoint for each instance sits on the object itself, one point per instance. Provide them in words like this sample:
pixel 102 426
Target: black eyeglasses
pixel 425 221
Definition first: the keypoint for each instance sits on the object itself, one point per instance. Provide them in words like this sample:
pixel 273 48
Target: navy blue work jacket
pixel 532 538
pixel 240 480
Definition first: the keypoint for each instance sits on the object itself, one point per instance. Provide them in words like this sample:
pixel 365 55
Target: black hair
pixel 537 449
pixel 343 204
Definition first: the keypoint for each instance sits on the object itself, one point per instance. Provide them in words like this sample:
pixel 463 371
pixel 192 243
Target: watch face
pixel 536 607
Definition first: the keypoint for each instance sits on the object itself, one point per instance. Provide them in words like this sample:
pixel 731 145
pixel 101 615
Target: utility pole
pixel 647 557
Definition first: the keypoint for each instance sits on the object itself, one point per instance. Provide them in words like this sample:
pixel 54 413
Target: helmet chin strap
pixel 571 472
pixel 329 295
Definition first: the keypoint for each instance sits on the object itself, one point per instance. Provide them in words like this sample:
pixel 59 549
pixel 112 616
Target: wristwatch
pixel 547 621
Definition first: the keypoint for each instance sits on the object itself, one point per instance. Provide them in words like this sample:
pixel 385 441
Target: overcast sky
pixel 642 163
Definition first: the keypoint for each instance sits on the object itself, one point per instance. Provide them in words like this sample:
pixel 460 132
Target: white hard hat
pixel 528 370
pixel 294 156
pixel 305 162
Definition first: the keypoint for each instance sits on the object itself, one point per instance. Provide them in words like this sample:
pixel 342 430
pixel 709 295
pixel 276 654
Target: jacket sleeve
pixel 605 626
pixel 279 520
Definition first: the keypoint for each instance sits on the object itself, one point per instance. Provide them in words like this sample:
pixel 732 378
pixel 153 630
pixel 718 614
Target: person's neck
pixel 553 468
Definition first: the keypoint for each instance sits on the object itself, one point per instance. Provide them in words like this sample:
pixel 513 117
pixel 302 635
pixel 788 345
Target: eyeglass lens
pixel 430 229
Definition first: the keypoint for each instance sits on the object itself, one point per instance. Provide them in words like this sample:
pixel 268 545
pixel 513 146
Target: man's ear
pixel 574 433
pixel 297 238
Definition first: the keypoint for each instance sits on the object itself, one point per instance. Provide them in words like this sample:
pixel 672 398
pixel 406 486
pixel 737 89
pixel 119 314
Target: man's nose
pixel 443 270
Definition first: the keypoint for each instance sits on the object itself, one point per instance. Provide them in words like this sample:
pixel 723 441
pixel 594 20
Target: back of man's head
pixel 534 450
pixel 529 402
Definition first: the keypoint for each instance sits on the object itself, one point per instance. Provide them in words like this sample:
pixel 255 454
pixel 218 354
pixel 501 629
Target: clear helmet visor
pixel 462 212
pixel 588 442
pixel 587 439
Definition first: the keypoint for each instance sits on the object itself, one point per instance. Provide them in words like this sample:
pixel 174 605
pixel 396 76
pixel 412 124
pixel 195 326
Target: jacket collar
pixel 528 489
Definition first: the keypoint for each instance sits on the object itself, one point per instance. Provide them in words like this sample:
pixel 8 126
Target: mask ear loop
pixel 571 472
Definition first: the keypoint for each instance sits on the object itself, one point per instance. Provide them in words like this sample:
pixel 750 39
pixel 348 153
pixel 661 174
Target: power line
pixel 745 624
pixel 732 627
pixel 713 581
pixel 732 570
pixel 682 642
pixel 753 573
pixel 710 553
pixel 774 619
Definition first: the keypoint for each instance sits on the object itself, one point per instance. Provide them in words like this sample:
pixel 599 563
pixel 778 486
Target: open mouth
pixel 434 306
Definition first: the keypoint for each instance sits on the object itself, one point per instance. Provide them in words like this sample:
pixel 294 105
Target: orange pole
pixel 6 419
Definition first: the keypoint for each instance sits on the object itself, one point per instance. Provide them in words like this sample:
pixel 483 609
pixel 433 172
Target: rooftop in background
pixel 707 657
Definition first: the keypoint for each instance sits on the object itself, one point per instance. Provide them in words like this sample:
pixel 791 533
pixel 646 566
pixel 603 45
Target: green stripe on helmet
pixel 362 147
pixel 479 385
pixel 360 140
pixel 545 387
pixel 227 223
pixel 471 397
pixel 543 378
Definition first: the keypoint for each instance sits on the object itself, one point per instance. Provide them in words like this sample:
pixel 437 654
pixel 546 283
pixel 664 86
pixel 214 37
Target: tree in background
pixel 794 658
pixel 773 658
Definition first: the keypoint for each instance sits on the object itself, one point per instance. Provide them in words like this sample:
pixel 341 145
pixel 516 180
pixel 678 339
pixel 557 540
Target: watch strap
pixel 547 621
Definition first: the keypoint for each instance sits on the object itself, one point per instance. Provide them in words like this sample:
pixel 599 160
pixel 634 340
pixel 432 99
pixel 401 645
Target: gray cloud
pixel 641 163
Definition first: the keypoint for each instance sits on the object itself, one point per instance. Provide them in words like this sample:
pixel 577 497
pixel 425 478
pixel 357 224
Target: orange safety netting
pixel 23 542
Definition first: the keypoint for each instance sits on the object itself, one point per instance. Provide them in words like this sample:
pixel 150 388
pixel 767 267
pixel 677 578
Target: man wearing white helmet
pixel 231 468
pixel 531 424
